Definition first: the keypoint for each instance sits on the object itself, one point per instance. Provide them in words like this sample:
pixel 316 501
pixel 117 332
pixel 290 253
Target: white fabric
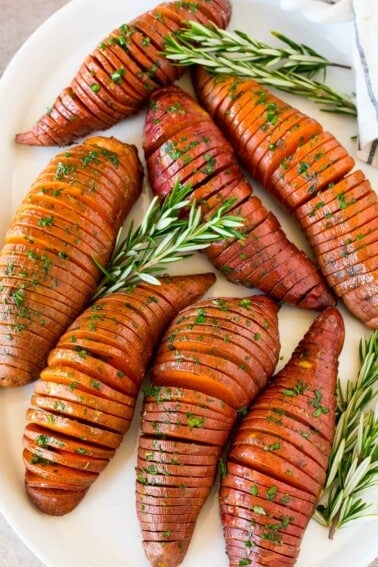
pixel 366 68
pixel 365 51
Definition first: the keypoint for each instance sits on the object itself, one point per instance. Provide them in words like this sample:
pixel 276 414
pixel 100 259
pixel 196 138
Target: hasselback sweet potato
pixel 308 171
pixel 278 459
pixel 71 215
pixel 182 143
pixel 204 372
pixel 117 78
pixel 84 401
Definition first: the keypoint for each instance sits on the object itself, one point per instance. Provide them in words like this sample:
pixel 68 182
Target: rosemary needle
pixel 353 464
pixel 170 231
pixel 290 69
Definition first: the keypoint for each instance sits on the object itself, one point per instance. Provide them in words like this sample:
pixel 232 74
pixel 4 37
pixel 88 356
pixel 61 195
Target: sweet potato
pixel 308 171
pixel 199 381
pixel 116 79
pixel 264 117
pixel 84 401
pixel 46 264
pixel 275 472
pixel 182 143
pixel 296 164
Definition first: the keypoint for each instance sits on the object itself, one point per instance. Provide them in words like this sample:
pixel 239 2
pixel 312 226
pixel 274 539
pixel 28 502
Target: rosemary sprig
pixel 354 457
pixel 171 231
pixel 290 69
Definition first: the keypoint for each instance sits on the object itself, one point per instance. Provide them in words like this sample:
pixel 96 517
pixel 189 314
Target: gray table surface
pixel 19 18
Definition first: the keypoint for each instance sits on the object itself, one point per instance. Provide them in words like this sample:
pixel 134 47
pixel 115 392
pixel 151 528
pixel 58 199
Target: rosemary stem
pixel 333 527
pixel 165 236
pixel 353 463
pixel 290 69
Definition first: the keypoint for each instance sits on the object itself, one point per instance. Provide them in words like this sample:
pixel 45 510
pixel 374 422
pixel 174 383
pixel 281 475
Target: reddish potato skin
pixel 116 79
pixel 254 487
pixel 84 400
pixel 308 171
pixel 182 144
pixel 47 271
pixel 196 419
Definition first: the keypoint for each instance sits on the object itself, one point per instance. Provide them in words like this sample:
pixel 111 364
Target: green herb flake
pixel 210 164
pixel 201 316
pixel 46 221
pixel 298 389
pixel 222 304
pixel 42 440
pixel 272 446
pixel 246 304
pixel 126 29
pixel 82 352
pixel 259 510
pixel 191 6
pixel 194 421
pixel 303 167
pixel 141 478
pixel 38 460
pixel 110 156
pixel 81 451
pixel 343 203
pixel 316 403
pixel 117 75
pixel 19 296
pixel 273 537
pixel 316 207
pixel 63 170
pixel 152 391
pixel 272 113
pixel 50 419
pixel 90 157
pixel 153 105
pixel 271 493
pixel 274 419
pixel 242 411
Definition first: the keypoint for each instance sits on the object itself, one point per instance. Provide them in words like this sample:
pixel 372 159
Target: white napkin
pixel 365 59
pixel 366 69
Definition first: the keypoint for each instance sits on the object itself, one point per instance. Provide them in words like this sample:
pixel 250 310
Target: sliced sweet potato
pixel 190 149
pixel 274 477
pixel 102 92
pixel 63 243
pixel 198 383
pixel 85 399
pixel 307 169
